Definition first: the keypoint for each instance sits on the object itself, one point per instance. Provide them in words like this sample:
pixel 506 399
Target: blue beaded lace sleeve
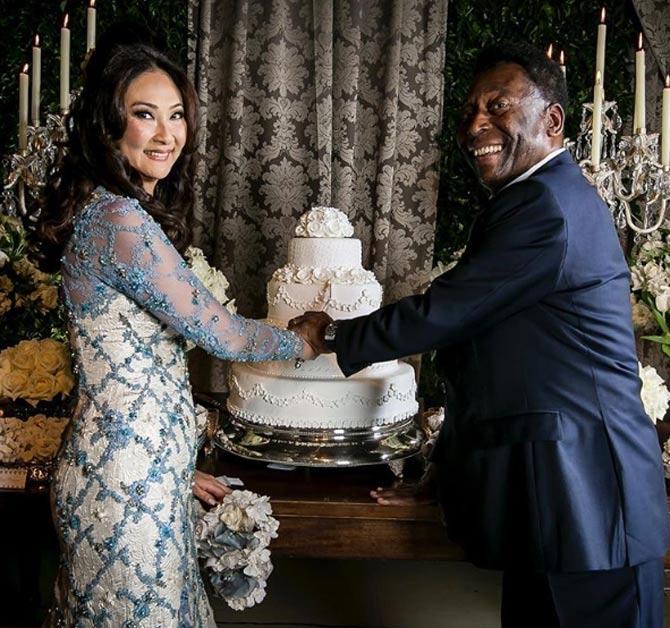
pixel 131 253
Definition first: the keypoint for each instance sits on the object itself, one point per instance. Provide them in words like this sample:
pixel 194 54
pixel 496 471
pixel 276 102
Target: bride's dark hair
pixel 94 127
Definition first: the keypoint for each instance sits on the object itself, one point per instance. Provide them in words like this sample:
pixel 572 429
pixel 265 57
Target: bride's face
pixel 155 126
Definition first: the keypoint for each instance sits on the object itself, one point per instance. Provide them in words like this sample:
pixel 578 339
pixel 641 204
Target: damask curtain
pixel 321 102
pixel 654 16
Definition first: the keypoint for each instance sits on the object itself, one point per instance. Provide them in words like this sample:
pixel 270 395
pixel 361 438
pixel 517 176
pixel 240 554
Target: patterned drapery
pixel 654 16
pixel 317 103
pixel 328 102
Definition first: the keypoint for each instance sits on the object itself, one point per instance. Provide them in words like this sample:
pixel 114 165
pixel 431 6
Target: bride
pixel 116 217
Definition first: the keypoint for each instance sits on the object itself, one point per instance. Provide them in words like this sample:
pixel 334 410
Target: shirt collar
pixel 534 168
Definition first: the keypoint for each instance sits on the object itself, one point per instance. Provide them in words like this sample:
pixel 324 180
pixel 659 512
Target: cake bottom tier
pixel 361 401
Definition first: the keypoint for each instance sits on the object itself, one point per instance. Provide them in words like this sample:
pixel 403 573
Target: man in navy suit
pixel 548 467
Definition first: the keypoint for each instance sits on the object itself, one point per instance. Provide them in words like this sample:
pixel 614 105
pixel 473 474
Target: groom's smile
pixel 502 130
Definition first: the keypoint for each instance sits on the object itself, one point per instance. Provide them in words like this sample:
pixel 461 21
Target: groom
pixel 547 466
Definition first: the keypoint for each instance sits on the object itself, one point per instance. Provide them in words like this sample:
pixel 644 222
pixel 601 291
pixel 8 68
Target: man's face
pixel 505 128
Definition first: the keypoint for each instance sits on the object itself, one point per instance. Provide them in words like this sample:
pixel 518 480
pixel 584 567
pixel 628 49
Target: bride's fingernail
pixel 212 502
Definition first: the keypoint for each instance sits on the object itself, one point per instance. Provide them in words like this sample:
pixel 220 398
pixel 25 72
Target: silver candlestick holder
pixel 629 178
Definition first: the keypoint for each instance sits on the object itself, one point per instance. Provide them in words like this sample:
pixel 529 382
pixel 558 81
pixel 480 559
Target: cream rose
pixel 14 384
pixel 6 284
pixel 64 382
pixel 52 357
pixel 23 355
pixel 47 295
pixel 42 388
pixel 234 518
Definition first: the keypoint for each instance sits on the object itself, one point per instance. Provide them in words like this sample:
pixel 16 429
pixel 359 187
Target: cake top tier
pixel 324 222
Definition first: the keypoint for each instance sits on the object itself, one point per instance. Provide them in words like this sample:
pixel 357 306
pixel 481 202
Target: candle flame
pixel 639 42
pixel 24 69
pixel 562 57
pixel 66 20
pixel 550 51
pixel 36 41
pixel 602 15
pixel 91 4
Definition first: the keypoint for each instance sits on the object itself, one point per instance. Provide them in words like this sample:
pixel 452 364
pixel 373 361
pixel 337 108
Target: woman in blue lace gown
pixel 121 495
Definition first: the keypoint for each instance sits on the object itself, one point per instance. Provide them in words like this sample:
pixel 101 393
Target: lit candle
pixel 37 81
pixel 596 135
pixel 561 61
pixel 65 66
pixel 23 107
pixel 665 125
pixel 640 116
pixel 600 46
pixel 550 51
pixel 90 26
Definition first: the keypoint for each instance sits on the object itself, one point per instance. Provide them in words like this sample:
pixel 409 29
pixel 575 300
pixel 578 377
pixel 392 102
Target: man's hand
pixel 401 494
pixel 208 489
pixel 311 326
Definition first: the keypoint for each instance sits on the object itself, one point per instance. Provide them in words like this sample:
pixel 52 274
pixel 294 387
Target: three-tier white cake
pixel 324 272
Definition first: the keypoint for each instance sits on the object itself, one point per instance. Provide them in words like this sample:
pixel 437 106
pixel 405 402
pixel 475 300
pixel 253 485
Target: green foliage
pixel 570 25
pixel 18 24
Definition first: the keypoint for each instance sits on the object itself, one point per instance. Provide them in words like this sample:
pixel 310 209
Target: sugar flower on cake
pixel 654 393
pixel 324 222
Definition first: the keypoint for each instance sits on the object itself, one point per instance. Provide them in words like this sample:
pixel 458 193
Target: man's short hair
pixel 542 71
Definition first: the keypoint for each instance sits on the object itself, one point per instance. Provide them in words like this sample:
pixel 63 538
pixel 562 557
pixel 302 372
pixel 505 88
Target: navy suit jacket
pixel 547 460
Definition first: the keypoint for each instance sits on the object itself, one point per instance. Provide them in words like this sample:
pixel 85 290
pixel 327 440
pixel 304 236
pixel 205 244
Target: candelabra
pixel 27 170
pixel 629 177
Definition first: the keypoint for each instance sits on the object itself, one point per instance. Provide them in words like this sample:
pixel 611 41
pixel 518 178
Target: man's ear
pixel 555 120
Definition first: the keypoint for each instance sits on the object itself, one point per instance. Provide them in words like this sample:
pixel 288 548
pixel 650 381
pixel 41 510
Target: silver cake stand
pixel 318 447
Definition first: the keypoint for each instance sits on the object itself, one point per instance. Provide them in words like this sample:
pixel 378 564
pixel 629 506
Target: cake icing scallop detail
pixel 324 272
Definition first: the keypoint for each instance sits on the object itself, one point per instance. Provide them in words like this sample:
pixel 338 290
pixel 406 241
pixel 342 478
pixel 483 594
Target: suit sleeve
pixel 514 263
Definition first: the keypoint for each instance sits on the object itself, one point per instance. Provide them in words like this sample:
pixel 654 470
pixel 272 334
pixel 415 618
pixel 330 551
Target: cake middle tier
pixel 290 295
pixel 325 252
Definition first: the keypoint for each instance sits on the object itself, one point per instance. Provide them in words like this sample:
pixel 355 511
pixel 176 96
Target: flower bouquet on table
pixel 36 377
pixel 232 541
pixel 650 276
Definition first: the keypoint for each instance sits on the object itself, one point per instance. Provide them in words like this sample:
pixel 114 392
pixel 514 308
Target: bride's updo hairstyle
pixel 94 127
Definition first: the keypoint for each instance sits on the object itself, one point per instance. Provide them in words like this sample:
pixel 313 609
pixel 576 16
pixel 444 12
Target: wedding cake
pixel 323 272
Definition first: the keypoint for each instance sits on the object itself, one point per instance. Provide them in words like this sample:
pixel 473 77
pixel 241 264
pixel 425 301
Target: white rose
pixel 654 394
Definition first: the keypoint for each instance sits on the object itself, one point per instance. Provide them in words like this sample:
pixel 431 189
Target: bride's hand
pixel 208 489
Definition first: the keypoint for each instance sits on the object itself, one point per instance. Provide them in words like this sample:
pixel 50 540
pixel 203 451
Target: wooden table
pixel 328 513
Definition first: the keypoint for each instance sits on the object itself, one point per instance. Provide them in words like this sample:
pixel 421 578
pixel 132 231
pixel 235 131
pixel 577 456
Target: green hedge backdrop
pixel 569 24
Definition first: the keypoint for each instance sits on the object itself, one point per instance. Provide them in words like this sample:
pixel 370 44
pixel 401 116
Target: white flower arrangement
pixel 655 395
pixel 36 370
pixel 36 439
pixel 232 541
pixel 213 279
pixel 650 282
